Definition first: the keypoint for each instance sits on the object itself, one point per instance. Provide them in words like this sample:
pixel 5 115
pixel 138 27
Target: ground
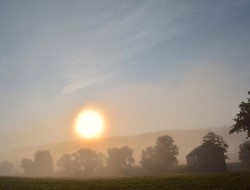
pixel 230 180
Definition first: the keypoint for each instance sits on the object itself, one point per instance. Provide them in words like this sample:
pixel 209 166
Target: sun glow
pixel 89 124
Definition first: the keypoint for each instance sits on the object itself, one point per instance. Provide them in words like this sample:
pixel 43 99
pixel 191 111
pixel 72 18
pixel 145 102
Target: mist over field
pixel 186 140
pixel 124 88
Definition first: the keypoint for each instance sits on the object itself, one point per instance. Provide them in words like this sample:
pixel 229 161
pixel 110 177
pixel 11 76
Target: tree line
pixel 119 160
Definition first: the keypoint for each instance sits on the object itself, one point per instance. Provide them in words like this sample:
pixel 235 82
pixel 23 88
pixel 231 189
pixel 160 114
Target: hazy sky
pixel 146 65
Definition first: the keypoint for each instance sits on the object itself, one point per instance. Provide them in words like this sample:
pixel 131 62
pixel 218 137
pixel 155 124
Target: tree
pixel 6 168
pixel 161 157
pixel 244 153
pixel 242 119
pixel 120 159
pixel 84 161
pixel 148 158
pixel 41 166
pixel 217 140
pixel 90 160
pixel 27 165
pixel 43 163
pixel 68 164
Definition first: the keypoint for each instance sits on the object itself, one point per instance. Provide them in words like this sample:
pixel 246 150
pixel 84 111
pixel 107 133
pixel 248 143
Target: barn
pixel 206 158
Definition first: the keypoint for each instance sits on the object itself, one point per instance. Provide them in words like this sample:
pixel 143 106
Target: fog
pixel 149 68
pixel 33 160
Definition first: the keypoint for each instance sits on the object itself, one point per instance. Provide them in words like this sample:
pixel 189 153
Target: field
pixel 227 181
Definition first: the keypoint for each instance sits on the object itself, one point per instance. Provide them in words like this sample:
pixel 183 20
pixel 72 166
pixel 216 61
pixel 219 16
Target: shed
pixel 206 158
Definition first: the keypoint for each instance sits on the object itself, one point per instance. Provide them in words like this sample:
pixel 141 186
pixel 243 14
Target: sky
pixel 145 65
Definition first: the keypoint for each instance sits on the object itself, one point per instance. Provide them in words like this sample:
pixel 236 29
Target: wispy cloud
pixel 82 82
pixel 119 39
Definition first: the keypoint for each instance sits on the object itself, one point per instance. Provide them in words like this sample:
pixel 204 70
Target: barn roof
pixel 198 148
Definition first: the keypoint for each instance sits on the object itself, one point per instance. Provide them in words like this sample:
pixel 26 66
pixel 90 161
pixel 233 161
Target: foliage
pixel 244 153
pixel 43 162
pixel 242 119
pixel 120 159
pixel 89 160
pixel 84 161
pixel 225 181
pixel 162 156
pixel 147 158
pixel 41 166
pixel 67 164
pixel 217 140
pixel 27 165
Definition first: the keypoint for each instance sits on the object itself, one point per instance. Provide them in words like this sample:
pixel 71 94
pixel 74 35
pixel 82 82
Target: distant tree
pixel 161 157
pixel 244 153
pixel 27 165
pixel 6 168
pixel 217 140
pixel 242 119
pixel 89 160
pixel 148 159
pixel 84 161
pixel 68 164
pixel 41 166
pixel 43 163
pixel 120 159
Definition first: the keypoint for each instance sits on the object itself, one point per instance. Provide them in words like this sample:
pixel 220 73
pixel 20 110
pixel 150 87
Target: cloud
pixel 89 42
pixel 82 82
pixel 116 41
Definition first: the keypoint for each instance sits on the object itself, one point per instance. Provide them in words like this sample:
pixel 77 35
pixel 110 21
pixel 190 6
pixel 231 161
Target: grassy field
pixel 227 181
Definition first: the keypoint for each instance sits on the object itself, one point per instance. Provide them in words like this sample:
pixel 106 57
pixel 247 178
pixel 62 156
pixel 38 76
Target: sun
pixel 89 124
